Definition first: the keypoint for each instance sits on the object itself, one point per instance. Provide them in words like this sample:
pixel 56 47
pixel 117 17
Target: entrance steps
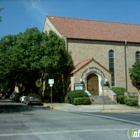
pixel 101 99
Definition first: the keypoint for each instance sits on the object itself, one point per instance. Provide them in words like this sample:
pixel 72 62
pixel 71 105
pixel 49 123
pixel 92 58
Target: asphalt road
pixel 21 122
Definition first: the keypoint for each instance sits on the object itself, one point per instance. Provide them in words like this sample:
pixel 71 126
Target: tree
pixel 57 60
pixel 20 58
pixel 6 43
pixel 32 55
pixel 135 73
pixel 135 76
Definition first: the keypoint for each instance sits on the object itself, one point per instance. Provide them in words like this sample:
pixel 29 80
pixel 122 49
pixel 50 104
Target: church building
pixel 102 52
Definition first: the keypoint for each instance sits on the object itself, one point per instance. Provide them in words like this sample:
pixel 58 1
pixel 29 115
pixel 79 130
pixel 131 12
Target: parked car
pixel 22 98
pixel 32 99
pixel 4 95
pixel 0 95
pixel 15 96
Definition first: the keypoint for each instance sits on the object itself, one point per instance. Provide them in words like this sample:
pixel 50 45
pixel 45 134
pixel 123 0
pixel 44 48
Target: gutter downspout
pixel 66 41
pixel 125 58
pixel 65 78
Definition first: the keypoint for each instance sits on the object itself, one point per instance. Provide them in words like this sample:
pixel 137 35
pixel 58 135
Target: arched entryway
pixel 92 84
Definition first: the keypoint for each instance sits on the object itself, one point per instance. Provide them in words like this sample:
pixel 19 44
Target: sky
pixel 18 15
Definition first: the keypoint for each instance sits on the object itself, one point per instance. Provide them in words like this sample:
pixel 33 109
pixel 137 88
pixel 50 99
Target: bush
pixel 82 101
pixel 78 101
pixel 131 101
pixel 119 90
pixel 121 99
pixel 74 94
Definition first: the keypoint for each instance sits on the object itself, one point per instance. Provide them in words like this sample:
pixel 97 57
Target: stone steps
pixel 101 100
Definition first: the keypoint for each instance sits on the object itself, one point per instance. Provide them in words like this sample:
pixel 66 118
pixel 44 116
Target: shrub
pixel 86 101
pixel 121 99
pixel 78 101
pixel 131 101
pixel 119 90
pixel 74 94
pixel 82 101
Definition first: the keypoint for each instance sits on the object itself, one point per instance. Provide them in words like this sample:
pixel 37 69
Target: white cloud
pixel 35 9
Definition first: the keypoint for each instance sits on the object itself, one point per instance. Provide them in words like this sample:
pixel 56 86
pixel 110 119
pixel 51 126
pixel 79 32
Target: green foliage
pixel 119 94
pixel 82 101
pixel 134 73
pixel 74 94
pixel 119 90
pixel 19 56
pixel 121 99
pixel 56 60
pixel 32 55
pixel 131 101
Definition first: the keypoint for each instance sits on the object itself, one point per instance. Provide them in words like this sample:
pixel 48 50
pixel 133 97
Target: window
pixel 137 56
pixel 111 67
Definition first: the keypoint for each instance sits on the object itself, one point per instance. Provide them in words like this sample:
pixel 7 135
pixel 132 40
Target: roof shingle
pixel 84 63
pixel 96 30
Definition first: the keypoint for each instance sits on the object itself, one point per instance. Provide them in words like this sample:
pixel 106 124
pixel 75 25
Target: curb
pixel 51 107
pixel 100 110
pixel 120 111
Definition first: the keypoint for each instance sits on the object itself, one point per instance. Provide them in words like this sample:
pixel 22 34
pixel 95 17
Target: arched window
pixel 111 67
pixel 137 56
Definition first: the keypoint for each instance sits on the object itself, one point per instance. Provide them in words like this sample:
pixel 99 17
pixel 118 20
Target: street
pixel 21 122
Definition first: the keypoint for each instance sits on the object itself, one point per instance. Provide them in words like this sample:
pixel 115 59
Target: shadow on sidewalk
pixel 20 108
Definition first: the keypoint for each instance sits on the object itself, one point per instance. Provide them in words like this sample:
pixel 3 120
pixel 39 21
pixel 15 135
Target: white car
pixel 22 99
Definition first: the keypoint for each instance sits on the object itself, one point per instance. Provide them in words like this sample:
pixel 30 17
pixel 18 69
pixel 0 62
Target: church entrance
pixel 92 84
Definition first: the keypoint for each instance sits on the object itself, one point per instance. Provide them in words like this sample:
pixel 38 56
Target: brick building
pixel 102 51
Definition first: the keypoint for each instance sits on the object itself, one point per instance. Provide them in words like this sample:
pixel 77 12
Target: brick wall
pixel 83 49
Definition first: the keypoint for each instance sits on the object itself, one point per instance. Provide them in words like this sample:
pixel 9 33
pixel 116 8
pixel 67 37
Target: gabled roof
pixel 84 63
pixel 80 65
pixel 96 30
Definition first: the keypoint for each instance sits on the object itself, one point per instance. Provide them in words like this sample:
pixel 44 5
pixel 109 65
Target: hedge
pixel 131 101
pixel 121 99
pixel 74 94
pixel 119 90
pixel 82 101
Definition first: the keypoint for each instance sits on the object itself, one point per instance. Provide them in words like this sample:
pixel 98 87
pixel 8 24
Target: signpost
pixel 51 82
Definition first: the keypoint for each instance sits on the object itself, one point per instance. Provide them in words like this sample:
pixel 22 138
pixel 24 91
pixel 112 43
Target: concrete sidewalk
pixel 118 108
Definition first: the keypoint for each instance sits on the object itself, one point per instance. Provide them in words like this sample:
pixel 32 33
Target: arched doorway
pixel 92 84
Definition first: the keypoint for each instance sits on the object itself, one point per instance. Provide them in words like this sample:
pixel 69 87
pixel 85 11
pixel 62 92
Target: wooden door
pixel 92 84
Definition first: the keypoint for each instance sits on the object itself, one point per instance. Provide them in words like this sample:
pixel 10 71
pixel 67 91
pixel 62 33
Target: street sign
pixel 51 81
